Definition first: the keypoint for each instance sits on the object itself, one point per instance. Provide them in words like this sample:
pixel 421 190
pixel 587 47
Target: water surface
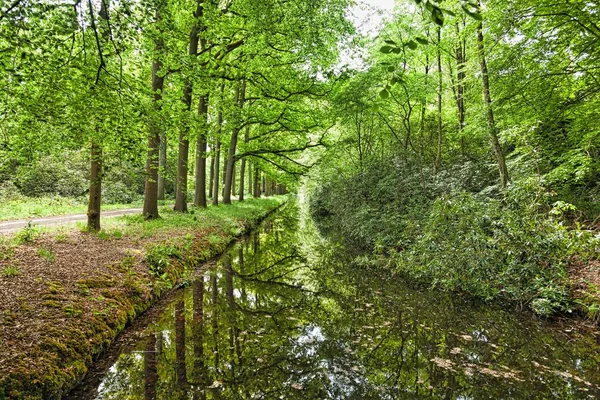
pixel 287 315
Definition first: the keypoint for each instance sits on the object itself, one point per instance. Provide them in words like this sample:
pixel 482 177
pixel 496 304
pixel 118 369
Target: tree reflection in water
pixel 288 315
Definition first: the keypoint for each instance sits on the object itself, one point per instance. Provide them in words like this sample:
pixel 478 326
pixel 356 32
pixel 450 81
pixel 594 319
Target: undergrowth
pixel 459 235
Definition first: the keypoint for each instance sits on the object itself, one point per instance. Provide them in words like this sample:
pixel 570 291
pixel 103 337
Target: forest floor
pixel 66 294
pixel 585 287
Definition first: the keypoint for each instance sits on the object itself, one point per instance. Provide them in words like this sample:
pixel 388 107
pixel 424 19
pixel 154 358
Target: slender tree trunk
pixel 216 178
pixel 95 199
pixel 150 210
pixel 250 179
pixel 256 182
pixel 162 165
pixel 200 190
pixel 234 181
pixel 183 155
pixel 461 61
pixel 240 97
pixel 184 143
pixel 211 173
pixel 438 156
pixel 493 130
pixel 223 170
pixel 243 167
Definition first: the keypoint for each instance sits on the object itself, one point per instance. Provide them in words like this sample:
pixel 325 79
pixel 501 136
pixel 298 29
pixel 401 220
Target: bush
pixel 459 234
pixel 63 175
pixel 490 248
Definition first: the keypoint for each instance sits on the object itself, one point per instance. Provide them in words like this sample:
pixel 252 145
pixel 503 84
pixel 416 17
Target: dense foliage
pixel 465 147
pixel 451 107
pixel 140 95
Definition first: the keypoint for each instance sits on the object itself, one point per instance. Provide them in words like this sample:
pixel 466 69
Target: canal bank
pixel 73 292
pixel 286 313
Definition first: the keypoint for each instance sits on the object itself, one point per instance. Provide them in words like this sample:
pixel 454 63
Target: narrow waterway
pixel 285 314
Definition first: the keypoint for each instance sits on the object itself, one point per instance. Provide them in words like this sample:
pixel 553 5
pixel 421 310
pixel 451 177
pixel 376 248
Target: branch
pixel 93 22
pixel 10 8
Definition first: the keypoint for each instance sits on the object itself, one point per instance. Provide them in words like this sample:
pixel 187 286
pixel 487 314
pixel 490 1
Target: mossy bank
pixel 73 292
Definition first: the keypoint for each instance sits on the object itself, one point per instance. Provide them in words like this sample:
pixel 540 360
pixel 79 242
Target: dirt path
pixel 13 226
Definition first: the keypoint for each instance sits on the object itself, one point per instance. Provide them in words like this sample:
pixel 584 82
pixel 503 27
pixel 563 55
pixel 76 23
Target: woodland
pixel 459 146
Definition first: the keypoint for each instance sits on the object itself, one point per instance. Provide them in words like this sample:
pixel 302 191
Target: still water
pixel 286 314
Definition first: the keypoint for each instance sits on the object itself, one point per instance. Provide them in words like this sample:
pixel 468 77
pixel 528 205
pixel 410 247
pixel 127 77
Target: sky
pixel 368 15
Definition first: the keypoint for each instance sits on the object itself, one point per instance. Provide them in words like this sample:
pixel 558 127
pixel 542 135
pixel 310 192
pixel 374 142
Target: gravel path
pixel 13 226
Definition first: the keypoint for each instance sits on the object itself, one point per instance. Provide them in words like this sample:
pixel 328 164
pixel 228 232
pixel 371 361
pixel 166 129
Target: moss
pixel 52 304
pixel 103 281
pixel 54 287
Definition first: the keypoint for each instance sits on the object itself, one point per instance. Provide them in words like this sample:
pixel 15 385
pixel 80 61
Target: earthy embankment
pixel 65 296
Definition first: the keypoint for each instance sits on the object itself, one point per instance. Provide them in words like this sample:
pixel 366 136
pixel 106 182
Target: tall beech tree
pixel 184 142
pixel 155 132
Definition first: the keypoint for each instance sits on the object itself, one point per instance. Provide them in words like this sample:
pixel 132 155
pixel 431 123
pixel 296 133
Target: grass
pixel 36 207
pixel 226 218
pixel 11 271
pixel 47 254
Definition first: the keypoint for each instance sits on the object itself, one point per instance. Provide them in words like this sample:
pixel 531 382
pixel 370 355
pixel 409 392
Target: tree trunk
pixel 216 178
pixel 211 173
pixel 242 179
pixel 243 167
pixel 438 155
pixel 250 178
pixel 95 200
pixel 256 182
pixel 240 97
pixel 150 210
pixel 504 177
pixel 184 144
pixel 461 60
pixel 200 190
pixel 183 158
pixel 234 181
pixel 162 165
pixel 95 195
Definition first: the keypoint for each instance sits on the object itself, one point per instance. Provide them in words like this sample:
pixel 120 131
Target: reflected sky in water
pixel 287 315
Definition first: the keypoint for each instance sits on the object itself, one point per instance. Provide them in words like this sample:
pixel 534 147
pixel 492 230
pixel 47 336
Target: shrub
pixel 495 248
pixel 157 258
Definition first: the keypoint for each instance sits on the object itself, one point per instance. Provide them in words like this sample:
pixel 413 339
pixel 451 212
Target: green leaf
pixel 422 40
pixel 384 94
pixel 472 10
pixel 391 68
pixel 474 15
pixel 411 45
pixel 448 12
pixel 389 41
pixel 386 49
pixel 437 17
pixel 396 80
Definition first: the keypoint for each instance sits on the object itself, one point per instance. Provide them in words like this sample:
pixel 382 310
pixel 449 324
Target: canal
pixel 287 314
